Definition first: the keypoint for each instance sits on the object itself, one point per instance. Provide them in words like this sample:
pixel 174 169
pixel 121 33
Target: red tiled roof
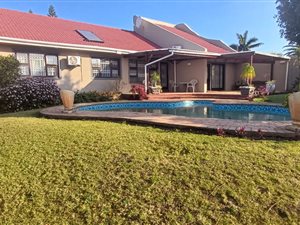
pixel 15 24
pixel 196 39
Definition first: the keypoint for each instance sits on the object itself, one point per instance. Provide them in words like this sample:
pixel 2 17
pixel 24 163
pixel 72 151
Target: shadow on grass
pixel 29 113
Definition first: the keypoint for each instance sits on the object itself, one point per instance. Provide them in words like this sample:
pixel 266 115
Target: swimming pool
pixel 202 109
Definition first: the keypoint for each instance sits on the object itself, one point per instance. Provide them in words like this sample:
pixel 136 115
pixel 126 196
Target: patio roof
pixel 185 54
pixel 178 54
pixel 258 57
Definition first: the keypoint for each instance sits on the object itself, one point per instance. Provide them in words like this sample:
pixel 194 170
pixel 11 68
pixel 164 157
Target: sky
pixel 217 19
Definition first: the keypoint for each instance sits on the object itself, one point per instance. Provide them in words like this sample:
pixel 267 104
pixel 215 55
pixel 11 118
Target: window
pixel 37 65
pixel 24 63
pixel 32 64
pixel 105 68
pixel 136 71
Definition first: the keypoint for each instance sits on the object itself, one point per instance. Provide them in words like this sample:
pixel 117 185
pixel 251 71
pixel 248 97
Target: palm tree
pixel 245 44
pixel 294 51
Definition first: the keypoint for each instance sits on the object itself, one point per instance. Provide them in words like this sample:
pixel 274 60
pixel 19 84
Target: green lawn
pixel 86 172
pixel 278 98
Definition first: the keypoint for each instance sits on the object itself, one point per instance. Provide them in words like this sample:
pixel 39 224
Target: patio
pixel 235 95
pixel 212 72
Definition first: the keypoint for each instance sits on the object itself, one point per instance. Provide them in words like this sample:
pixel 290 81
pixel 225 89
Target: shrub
pixel 29 93
pixel 95 96
pixel 220 132
pixel 140 90
pixel 9 70
pixel 240 131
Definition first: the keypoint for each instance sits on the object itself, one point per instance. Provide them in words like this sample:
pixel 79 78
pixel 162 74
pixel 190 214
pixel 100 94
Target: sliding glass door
pixel 216 76
pixel 164 75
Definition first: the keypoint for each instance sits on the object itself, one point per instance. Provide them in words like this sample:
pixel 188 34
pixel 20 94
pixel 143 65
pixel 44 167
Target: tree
pixel 51 11
pixel 245 44
pixel 30 11
pixel 9 70
pixel 294 51
pixel 288 19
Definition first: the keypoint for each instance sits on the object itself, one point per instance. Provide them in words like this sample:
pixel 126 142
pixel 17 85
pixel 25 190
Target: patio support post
pixel 272 71
pixel 175 75
pixel 286 75
pixel 150 63
pixel 146 79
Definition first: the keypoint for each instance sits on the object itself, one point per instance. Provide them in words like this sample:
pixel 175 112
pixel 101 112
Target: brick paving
pixel 268 128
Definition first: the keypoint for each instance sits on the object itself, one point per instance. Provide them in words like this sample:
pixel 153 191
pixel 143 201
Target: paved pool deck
pixel 276 129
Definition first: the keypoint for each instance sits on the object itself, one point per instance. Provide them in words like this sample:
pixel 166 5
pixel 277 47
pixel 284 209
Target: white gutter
pixel 183 51
pixel 258 53
pixel 196 52
pixel 27 42
pixel 273 55
pixel 150 63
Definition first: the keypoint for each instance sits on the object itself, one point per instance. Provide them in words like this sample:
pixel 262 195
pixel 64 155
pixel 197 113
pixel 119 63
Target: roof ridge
pixel 158 22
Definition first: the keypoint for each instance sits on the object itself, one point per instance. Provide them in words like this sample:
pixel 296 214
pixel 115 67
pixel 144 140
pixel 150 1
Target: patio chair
pixel 191 84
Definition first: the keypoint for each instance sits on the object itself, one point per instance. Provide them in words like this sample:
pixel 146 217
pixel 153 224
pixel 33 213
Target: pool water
pixel 203 109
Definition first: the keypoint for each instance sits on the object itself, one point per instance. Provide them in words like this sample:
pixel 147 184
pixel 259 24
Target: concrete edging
pixel 266 128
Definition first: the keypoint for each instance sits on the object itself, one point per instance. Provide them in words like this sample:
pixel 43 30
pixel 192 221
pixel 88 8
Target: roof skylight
pixel 89 36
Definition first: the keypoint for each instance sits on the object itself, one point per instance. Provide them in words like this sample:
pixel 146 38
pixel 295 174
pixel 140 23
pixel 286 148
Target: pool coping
pixel 265 128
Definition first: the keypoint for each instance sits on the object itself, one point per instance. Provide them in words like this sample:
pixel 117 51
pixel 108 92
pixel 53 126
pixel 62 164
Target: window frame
pixel 45 61
pixel 24 64
pixel 133 67
pixel 139 74
pixel 111 68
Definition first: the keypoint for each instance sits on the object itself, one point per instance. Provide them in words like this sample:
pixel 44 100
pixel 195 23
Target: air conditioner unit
pixel 177 47
pixel 74 60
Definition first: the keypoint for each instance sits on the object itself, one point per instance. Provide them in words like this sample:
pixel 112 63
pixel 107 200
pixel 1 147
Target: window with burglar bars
pixel 105 68
pixel 136 71
pixel 33 64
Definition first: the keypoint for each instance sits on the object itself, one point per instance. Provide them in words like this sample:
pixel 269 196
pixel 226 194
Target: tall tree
pixel 244 44
pixel 294 51
pixel 30 11
pixel 288 19
pixel 51 11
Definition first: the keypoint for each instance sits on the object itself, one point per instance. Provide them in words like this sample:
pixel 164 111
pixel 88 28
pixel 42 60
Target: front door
pixel 164 75
pixel 216 76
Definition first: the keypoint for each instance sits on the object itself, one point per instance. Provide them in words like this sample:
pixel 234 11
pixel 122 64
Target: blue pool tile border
pixel 272 109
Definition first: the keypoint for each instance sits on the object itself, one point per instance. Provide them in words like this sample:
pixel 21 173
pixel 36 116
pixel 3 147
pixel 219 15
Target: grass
pixel 86 172
pixel 278 98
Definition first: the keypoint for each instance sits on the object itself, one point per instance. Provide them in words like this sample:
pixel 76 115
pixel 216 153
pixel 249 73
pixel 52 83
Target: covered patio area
pixel 268 67
pixel 177 67
pixel 211 71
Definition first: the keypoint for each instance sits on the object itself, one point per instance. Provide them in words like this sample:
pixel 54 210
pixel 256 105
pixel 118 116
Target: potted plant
pixel 67 98
pixel 248 74
pixel 294 107
pixel 155 83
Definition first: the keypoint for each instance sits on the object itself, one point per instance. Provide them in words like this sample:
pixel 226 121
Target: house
pixel 82 56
